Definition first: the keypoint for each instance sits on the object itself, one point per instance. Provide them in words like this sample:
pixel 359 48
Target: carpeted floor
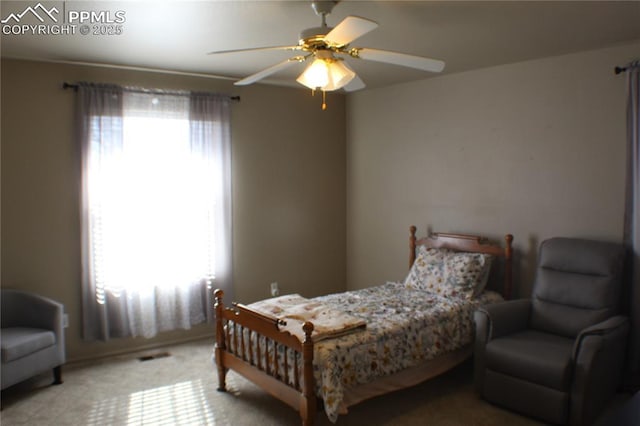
pixel 180 389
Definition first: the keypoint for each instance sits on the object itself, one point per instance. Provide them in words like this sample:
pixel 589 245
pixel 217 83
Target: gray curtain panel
pixel 152 265
pixel 632 213
pixel 210 136
pixel 98 112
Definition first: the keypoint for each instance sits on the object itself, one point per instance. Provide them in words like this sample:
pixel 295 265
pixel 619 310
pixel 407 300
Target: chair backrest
pixel 10 308
pixel 578 284
pixel 24 309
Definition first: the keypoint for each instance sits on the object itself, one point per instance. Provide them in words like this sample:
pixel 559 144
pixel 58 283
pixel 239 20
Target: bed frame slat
pixel 286 365
pixel 258 357
pixel 250 347
pixel 275 360
pixel 267 362
pixel 243 353
pixel 296 376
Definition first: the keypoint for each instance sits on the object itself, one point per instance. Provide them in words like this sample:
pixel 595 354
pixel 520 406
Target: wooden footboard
pixel 252 345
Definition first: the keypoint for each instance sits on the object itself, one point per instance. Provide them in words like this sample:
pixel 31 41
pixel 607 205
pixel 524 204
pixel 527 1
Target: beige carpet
pixel 180 389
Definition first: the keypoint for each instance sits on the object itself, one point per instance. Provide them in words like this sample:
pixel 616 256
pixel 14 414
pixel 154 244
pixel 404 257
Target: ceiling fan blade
pixel 355 84
pixel 419 62
pixel 268 71
pixel 254 49
pixel 349 29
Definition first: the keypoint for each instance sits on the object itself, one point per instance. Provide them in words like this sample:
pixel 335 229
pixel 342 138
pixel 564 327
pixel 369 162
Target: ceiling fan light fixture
pixel 340 74
pixel 316 75
pixel 326 74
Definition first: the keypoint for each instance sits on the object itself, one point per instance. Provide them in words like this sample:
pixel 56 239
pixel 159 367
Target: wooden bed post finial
pixel 218 293
pixel 412 245
pixel 509 239
pixel 307 327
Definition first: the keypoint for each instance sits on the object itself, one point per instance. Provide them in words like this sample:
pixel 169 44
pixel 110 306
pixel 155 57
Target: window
pixel 156 197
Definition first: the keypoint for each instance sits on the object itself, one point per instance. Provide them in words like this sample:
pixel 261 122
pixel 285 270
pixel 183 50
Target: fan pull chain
pixel 324 98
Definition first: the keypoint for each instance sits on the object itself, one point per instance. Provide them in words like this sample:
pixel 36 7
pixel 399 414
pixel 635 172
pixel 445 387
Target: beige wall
pixel 288 179
pixel 536 149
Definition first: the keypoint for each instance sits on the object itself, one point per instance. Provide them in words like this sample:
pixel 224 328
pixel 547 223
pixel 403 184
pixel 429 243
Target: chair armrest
pixel 495 320
pixel 607 326
pixel 503 318
pixel 598 358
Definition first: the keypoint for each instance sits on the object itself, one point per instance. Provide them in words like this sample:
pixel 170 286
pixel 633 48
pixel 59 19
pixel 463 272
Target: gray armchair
pixel 31 337
pixel 559 355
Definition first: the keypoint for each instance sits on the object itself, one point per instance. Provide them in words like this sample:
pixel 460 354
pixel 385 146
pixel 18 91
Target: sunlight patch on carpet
pixel 181 403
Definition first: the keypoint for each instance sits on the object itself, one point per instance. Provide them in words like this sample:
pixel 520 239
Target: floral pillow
pixel 449 273
pixel 428 270
pixel 467 273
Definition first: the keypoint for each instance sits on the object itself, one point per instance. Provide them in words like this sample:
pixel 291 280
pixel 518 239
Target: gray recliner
pixel 559 355
pixel 31 337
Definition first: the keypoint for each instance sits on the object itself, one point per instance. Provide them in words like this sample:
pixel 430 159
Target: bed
pixel 337 350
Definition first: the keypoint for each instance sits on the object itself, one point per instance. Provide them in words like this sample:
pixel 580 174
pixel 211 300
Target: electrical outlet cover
pixel 274 289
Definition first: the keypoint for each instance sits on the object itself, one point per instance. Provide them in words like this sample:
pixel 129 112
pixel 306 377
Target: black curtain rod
pixel 66 85
pixel 631 65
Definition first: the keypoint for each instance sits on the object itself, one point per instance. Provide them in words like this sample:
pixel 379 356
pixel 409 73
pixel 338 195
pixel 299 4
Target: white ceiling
pixel 176 35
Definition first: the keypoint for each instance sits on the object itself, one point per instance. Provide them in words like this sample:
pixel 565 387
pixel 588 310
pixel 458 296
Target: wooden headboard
pixel 468 243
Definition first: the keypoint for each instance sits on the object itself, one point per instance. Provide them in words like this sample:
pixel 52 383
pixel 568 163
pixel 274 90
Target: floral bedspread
pixel 404 327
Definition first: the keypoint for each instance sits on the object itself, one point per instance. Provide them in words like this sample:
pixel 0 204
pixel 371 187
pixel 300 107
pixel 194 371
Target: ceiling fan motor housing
pixel 314 37
pixel 323 7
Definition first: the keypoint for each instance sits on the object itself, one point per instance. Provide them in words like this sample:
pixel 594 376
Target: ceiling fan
pixel 327 46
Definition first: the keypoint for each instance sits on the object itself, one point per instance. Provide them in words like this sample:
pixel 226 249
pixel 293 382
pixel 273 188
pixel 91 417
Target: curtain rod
pixel 74 87
pixel 631 65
